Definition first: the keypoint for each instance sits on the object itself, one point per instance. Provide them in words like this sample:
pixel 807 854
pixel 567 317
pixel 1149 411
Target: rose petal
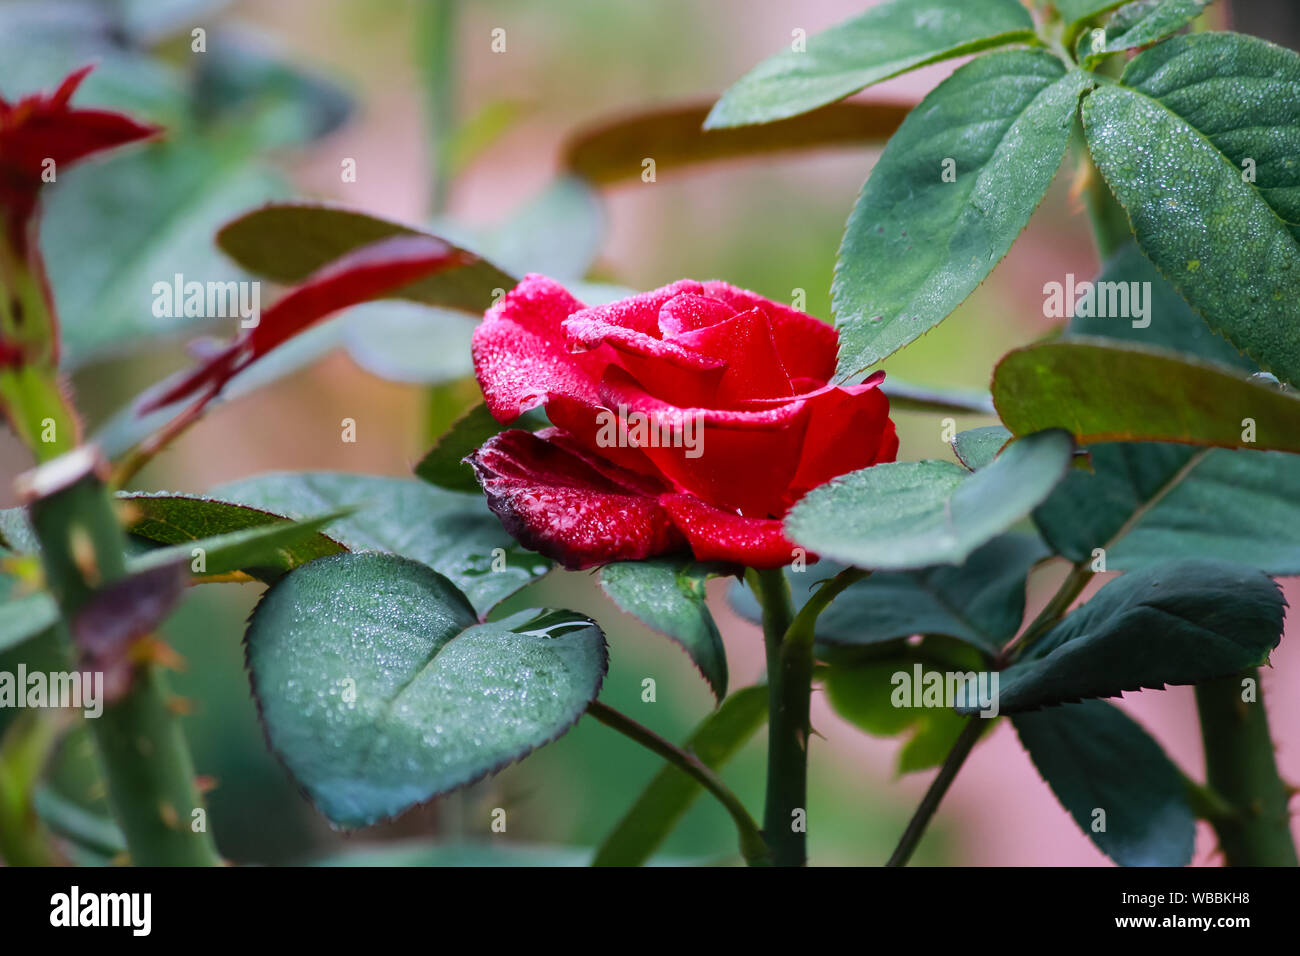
pixel 807 346
pixel 716 535
pixel 688 312
pixel 740 460
pixel 753 367
pixel 555 503
pixel 639 313
pixel 848 428
pixel 520 356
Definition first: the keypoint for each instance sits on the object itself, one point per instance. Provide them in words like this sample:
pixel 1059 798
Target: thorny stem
pixel 150 774
pixel 752 847
pixel 789 643
pixel 1241 769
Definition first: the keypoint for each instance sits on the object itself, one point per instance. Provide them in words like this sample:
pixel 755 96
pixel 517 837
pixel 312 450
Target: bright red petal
pixel 741 460
pixel 807 346
pixel 848 428
pixel 753 366
pixel 520 356
pixel 716 535
pixel 557 504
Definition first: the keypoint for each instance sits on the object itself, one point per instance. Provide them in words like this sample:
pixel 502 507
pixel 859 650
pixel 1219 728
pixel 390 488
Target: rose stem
pixel 1052 612
pixel 150 773
pixel 1241 769
pixel 752 847
pixel 789 643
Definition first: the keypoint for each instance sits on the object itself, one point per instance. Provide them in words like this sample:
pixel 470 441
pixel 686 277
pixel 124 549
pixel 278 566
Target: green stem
pixel 752 847
pixel 146 760
pixel 437 34
pixel 789 682
pixel 1241 769
pixel 938 788
pixel 1055 609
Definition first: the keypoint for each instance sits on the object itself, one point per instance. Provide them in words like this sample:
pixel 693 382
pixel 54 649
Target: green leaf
pixel 668 596
pixel 935 736
pixel 239 79
pixel 444 465
pixel 1167 321
pixel 484 852
pixel 114 229
pixel 612 152
pixel 1144 502
pixel 885 41
pixel 1172 145
pixel 1095 758
pixel 917 245
pixel 407 342
pixel 670 794
pixel 906 515
pixel 1074 12
pixel 1138 24
pixel 1101 391
pixel 263 544
pixel 289 241
pixel 982 602
pixel 977 447
pixel 379 689
pixel 453 533
pixel 876 697
pixel 265 552
pixel 1175 623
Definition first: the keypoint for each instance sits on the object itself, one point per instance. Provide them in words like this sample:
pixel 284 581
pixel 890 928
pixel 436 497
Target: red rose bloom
pixel 694 415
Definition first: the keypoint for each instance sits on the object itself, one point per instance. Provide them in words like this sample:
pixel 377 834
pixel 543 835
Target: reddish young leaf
pixel 367 273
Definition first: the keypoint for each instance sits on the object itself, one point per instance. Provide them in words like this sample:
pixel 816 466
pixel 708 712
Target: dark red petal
pixel 744 342
pixel 807 346
pixel 520 356
pixel 363 274
pixel 587 426
pixel 716 535
pixel 557 504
